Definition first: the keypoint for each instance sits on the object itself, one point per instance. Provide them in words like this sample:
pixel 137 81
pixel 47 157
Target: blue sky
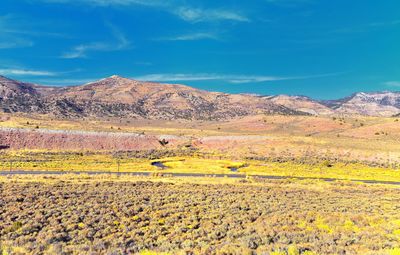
pixel 323 49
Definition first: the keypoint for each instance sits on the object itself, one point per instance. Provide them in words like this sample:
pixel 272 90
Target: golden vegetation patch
pixel 103 214
pixel 196 163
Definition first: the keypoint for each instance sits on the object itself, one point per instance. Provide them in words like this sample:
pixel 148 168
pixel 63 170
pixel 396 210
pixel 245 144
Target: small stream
pixel 160 165
pixel 236 169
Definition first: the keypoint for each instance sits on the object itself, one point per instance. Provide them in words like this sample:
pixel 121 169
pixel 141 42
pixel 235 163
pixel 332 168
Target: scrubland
pixel 120 215
pixel 110 214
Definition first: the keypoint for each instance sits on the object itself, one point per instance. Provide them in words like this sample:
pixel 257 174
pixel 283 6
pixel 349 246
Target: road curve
pixel 238 176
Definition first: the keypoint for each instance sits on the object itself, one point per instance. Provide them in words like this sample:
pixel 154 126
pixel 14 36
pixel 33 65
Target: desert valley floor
pixel 160 214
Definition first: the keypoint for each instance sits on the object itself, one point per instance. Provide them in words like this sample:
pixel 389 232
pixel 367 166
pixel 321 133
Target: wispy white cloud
pixel 65 82
pixel 18 31
pixel 203 15
pixel 230 78
pixel 178 8
pixel 9 42
pixel 367 27
pixel 289 3
pixel 81 51
pixel 122 40
pixel 392 83
pixel 387 23
pixel 143 63
pixel 8 39
pixel 112 2
pixel 192 37
pixel 26 72
pixel 178 77
pixel 7 69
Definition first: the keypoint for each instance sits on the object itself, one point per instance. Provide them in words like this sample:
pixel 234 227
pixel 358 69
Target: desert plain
pixel 337 190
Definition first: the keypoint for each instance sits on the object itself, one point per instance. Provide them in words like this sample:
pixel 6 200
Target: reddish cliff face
pixel 81 140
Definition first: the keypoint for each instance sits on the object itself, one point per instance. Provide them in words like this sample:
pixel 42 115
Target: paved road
pixel 239 176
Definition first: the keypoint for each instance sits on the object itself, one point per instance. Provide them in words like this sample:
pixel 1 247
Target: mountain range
pixel 116 96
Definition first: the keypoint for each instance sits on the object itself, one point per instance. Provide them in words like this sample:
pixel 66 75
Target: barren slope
pixel 372 104
pixel 303 104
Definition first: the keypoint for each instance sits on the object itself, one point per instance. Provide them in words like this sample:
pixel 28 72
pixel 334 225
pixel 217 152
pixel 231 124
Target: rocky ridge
pixel 120 97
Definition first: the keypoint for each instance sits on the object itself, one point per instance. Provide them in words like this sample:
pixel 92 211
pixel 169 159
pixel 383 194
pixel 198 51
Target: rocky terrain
pixel 302 104
pixel 373 104
pixel 120 97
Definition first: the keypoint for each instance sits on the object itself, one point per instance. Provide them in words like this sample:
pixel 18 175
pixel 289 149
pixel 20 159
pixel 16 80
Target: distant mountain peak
pixel 112 80
pixel 117 77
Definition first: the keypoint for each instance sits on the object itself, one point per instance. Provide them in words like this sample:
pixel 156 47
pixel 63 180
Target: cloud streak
pixel 230 78
pixel 177 8
pixel 392 83
pixel 289 3
pixel 111 2
pixel 13 42
pixel 196 15
pixel 26 72
pixel 82 50
pixel 18 31
pixel 191 37
pixel 65 82
pixel 8 39
pixel 367 27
